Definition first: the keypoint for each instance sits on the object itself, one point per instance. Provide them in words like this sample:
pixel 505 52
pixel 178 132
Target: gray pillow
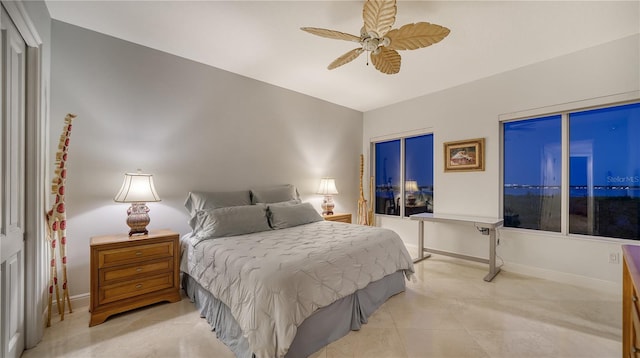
pixel 284 216
pixel 274 194
pixel 202 200
pixel 282 203
pixel 230 221
pixel 286 203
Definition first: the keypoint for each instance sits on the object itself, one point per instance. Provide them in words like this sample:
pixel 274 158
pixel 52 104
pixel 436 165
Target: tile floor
pixel 449 311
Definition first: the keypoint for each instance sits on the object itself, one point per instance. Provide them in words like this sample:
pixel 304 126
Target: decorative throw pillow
pixel 284 216
pixel 230 221
pixel 274 194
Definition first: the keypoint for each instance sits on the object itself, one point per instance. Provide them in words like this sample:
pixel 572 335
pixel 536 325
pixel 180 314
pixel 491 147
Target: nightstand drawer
pixel 134 288
pixel 109 275
pixel 342 218
pixel 134 254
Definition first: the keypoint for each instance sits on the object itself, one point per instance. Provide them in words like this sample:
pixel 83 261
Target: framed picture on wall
pixel 464 155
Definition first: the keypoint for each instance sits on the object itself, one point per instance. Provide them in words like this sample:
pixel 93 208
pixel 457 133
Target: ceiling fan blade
pixel 379 16
pixel 346 58
pixel 331 34
pixel 415 36
pixel 387 61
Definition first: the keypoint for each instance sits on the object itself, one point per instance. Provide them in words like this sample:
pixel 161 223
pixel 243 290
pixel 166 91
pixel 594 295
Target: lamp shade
pixel 137 188
pixel 327 187
pixel 411 186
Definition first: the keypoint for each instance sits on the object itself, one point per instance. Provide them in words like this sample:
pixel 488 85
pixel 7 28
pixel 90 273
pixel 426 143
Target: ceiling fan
pixel 377 37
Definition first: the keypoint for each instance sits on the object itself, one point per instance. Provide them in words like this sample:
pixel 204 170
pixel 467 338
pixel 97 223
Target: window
pixel 418 169
pixel 532 173
pixel 388 177
pixel 602 160
pixel 404 169
pixel 604 167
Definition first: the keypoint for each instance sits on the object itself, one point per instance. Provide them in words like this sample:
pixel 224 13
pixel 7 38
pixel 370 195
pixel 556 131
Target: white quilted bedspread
pixel 273 280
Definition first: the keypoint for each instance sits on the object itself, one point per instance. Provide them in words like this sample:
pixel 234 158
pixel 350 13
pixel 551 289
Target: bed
pixel 273 279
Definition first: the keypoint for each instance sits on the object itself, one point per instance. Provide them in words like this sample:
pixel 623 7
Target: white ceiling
pixel 262 39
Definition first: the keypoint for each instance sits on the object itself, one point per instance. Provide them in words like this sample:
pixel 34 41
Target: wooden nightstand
pixel 132 272
pixel 343 218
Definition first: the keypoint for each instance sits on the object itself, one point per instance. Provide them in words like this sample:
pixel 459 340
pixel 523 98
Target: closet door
pixel 12 193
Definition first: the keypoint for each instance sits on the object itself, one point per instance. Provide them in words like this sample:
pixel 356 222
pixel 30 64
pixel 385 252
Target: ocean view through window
pixel 404 166
pixel 532 173
pixel 602 149
pixel 604 171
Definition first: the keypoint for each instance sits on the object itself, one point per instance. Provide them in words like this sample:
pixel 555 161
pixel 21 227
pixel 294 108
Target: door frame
pixel 36 159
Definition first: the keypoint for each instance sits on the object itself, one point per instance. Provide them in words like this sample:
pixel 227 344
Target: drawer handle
pixel 139 269
pixel 138 253
pixel 634 298
pixel 138 286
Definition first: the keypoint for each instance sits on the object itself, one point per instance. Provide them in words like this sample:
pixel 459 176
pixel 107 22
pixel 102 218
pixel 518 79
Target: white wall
pixel 472 111
pixel 192 126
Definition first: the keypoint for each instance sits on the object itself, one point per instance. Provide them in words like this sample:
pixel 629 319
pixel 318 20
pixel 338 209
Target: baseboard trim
pixel 551 275
pixel 80 301
pixel 564 277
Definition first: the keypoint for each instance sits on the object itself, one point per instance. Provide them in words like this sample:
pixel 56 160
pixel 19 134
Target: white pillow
pixel 230 221
pixel 284 216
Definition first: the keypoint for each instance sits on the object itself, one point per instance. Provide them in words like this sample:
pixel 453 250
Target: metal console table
pixel 486 226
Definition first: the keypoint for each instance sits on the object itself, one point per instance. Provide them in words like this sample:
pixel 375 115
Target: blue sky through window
pixel 388 163
pixel 526 143
pixel 419 160
pixel 610 139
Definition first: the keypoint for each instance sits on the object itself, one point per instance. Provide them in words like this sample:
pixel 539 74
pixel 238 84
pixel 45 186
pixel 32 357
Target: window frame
pixel 401 137
pixel 564 110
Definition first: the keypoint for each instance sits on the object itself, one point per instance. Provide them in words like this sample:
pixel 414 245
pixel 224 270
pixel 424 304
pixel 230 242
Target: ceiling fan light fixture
pixel 378 38
pixel 370 44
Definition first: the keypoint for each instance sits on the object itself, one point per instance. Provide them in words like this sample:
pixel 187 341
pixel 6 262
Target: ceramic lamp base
pixel 411 200
pixel 327 205
pixel 138 219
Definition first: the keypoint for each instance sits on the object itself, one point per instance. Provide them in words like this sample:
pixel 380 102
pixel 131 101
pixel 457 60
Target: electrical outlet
pixel 614 258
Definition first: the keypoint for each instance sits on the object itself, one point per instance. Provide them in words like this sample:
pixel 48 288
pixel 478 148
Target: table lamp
pixel 327 188
pixel 411 186
pixel 138 190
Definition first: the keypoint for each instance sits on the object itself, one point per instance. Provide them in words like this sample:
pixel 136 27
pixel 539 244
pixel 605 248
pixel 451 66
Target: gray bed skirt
pixel 324 326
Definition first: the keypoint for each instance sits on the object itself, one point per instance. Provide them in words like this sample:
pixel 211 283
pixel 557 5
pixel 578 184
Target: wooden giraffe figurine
pixel 363 213
pixel 57 222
